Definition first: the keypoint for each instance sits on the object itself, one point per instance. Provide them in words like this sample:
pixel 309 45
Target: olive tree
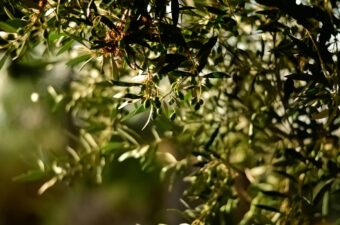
pixel 246 92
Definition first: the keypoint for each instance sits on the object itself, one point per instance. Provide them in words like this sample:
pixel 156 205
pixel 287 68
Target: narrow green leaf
pixel 114 146
pixel 77 60
pixel 66 46
pixel 135 112
pixel 32 175
pixel 77 38
pixel 7 28
pixel 53 36
pixel 95 127
pixel 216 75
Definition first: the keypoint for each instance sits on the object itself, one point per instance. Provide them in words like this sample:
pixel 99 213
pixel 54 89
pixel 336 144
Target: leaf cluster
pixel 248 91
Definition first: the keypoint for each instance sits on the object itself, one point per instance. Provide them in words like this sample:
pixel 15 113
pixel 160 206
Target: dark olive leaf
pixel 98 44
pixel 206 48
pixel 182 73
pixel 138 37
pixel 168 68
pixel 216 11
pixel 285 174
pixel 290 152
pixel 272 26
pixel 332 167
pixel 130 57
pixel 300 76
pixel 275 194
pixel 175 11
pixel 212 138
pixel 110 24
pixel 269 208
pixel 175 58
pixel 216 75
pixel 320 189
pixel 229 23
pixel 132 96
pixel 195 44
pixel 17 23
pixel 304 48
pixel 171 34
pixel 288 88
pixel 204 53
pixel 187 8
pixel 188 64
pixel 171 62
pixel 270 13
pixel 160 8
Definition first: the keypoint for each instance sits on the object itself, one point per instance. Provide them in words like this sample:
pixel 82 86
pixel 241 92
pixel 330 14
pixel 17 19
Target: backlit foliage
pixel 247 92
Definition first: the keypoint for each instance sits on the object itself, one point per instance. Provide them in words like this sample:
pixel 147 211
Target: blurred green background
pixel 29 128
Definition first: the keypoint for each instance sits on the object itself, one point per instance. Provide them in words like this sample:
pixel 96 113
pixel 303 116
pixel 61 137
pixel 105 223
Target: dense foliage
pixel 238 98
